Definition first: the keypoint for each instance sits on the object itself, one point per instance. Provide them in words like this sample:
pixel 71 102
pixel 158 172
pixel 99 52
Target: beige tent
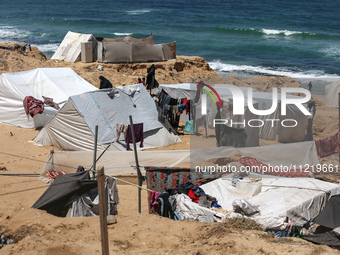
pixel 116 52
pixel 147 40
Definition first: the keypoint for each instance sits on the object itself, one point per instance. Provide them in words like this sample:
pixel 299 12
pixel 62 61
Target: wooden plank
pixel 102 210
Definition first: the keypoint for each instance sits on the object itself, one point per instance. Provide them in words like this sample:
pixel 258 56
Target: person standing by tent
pixel 104 83
pixel 150 78
pixel 310 86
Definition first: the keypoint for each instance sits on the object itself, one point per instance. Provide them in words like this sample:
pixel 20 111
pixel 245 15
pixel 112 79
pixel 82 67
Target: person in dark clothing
pixel 104 83
pixel 150 78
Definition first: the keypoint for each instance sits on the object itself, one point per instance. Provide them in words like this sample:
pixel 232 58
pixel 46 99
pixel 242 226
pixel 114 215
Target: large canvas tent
pixel 113 50
pixel 73 128
pixel 147 40
pixel 261 101
pixel 56 83
pixel 332 94
pixel 117 52
pixel 70 48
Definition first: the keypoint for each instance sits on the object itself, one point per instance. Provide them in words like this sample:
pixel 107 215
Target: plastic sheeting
pixel 70 48
pixel 332 94
pixel 56 83
pixel 298 199
pixel 188 210
pixel 88 203
pixel 115 52
pixel 147 40
pixel 73 128
pixel 115 162
pixel 289 155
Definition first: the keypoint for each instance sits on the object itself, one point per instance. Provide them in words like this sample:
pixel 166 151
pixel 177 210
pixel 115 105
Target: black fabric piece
pixel 63 191
pixel 330 238
pixel 105 83
pixel 330 214
pixel 164 206
pixel 150 78
pixel 229 136
pixel 173 117
pixel 164 120
pixel 178 190
pixel 164 100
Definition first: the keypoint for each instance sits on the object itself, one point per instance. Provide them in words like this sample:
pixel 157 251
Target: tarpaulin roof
pixel 73 128
pixel 56 83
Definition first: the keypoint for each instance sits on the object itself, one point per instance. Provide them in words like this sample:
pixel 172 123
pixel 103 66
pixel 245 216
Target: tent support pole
pixel 140 177
pixel 103 210
pixel 95 152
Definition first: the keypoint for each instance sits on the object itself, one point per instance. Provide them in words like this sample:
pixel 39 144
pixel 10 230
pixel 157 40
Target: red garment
pixel 193 196
pixel 187 105
pixel 153 204
pixel 33 106
pixel 328 146
pixel 49 101
pixel 53 174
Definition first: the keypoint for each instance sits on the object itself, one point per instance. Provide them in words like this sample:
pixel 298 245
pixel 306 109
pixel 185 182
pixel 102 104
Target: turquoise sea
pixel 242 38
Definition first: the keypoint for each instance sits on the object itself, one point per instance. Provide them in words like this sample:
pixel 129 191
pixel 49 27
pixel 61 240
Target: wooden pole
pixel 140 177
pixel 103 210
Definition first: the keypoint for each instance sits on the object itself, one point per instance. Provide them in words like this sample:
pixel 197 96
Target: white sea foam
pixel 332 51
pixel 279 32
pixel 311 74
pixel 47 47
pixel 138 12
pixel 8 33
pixel 122 34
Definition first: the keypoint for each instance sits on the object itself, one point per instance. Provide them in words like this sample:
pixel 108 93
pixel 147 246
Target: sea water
pixel 243 38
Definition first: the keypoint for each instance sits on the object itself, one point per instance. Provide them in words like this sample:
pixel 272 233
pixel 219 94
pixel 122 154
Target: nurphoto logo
pixel 238 106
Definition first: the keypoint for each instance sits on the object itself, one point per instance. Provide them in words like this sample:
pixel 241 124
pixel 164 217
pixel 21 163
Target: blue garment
pixel 215 204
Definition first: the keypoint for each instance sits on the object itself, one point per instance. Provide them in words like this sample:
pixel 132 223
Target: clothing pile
pixel 164 204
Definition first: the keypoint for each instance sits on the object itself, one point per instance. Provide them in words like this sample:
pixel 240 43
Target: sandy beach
pixel 37 232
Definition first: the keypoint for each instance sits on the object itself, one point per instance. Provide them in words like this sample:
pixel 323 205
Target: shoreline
pixel 318 88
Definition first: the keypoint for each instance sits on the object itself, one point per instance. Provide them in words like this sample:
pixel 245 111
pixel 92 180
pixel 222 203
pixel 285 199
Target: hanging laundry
pixel 33 106
pixel 121 128
pixel 153 204
pixel 49 101
pixel 328 146
pixel 139 136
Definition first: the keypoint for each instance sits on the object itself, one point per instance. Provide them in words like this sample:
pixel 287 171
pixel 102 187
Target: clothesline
pixel 130 183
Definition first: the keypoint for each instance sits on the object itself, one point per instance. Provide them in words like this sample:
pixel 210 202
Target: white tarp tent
pixel 261 100
pixel 332 94
pixel 70 48
pixel 73 128
pixel 56 83
pixel 297 200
